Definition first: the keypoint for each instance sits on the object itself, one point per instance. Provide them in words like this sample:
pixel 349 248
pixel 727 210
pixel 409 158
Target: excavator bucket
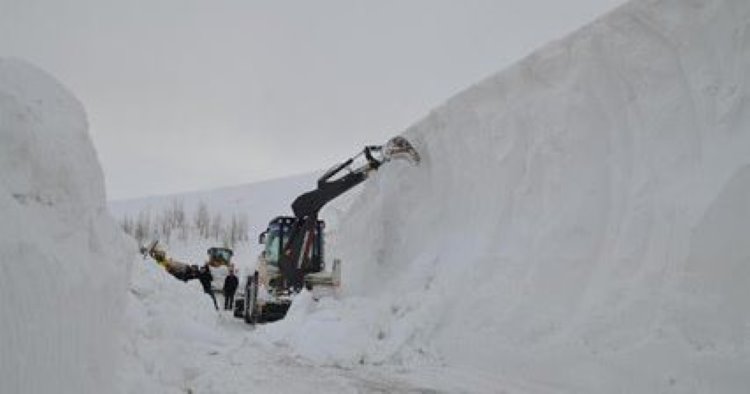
pixel 400 148
pixel 153 250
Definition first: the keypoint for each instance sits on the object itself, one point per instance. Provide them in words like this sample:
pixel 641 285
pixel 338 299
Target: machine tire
pixel 239 308
pixel 251 299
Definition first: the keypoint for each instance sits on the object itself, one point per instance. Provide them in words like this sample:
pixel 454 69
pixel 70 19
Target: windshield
pixel 220 254
pixel 276 238
pixel 272 245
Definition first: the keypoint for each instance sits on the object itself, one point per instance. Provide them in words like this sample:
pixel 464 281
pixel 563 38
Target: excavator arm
pixel 309 204
pixel 295 259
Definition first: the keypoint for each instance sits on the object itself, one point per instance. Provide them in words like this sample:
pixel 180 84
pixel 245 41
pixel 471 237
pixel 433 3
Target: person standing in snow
pixel 230 287
pixel 205 277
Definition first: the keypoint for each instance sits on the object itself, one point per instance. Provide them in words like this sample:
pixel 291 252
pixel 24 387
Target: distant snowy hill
pixel 257 203
pixel 254 199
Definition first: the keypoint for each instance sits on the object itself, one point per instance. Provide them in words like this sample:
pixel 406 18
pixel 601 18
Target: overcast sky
pixel 194 94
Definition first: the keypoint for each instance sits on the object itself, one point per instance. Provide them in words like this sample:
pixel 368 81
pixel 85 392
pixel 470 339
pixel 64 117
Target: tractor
pixel 293 256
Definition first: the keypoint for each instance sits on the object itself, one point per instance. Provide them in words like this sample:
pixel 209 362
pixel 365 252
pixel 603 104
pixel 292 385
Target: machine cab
pixel 277 234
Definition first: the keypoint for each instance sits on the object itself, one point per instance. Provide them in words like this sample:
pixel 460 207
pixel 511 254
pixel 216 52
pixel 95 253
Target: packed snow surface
pixel 64 261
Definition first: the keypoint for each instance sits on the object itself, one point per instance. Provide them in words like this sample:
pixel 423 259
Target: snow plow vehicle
pixel 293 256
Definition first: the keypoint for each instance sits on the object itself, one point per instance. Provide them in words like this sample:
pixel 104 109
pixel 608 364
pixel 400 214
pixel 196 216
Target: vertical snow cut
pixel 64 277
pixel 576 221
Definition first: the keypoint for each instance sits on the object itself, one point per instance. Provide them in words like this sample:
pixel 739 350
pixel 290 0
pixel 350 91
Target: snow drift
pixel 64 278
pixel 578 220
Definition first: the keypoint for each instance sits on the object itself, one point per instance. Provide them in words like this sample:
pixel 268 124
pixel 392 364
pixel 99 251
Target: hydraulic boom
pixel 297 259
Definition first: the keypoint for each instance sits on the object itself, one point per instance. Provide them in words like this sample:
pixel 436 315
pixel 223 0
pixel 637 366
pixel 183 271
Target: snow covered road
pixel 183 345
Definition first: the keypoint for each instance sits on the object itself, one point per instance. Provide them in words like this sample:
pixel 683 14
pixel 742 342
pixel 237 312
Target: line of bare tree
pixel 172 222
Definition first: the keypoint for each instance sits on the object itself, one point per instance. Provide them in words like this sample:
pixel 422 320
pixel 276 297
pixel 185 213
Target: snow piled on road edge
pixel 577 219
pixel 64 265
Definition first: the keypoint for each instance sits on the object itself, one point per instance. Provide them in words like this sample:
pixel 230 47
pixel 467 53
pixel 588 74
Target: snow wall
pixel 64 263
pixel 579 220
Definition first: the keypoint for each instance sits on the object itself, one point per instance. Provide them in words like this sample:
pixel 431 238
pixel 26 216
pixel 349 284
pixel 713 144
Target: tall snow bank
pixel 63 281
pixel 579 220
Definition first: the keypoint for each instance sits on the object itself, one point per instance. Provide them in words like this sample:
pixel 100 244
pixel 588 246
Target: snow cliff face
pixel 578 220
pixel 64 262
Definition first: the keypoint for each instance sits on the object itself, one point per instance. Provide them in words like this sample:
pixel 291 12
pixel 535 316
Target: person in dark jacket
pixel 205 277
pixel 230 287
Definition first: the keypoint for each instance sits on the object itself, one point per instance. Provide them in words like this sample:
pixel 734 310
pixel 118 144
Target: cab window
pixel 272 246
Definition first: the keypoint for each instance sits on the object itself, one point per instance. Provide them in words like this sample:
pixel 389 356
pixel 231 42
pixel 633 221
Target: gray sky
pixel 194 94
